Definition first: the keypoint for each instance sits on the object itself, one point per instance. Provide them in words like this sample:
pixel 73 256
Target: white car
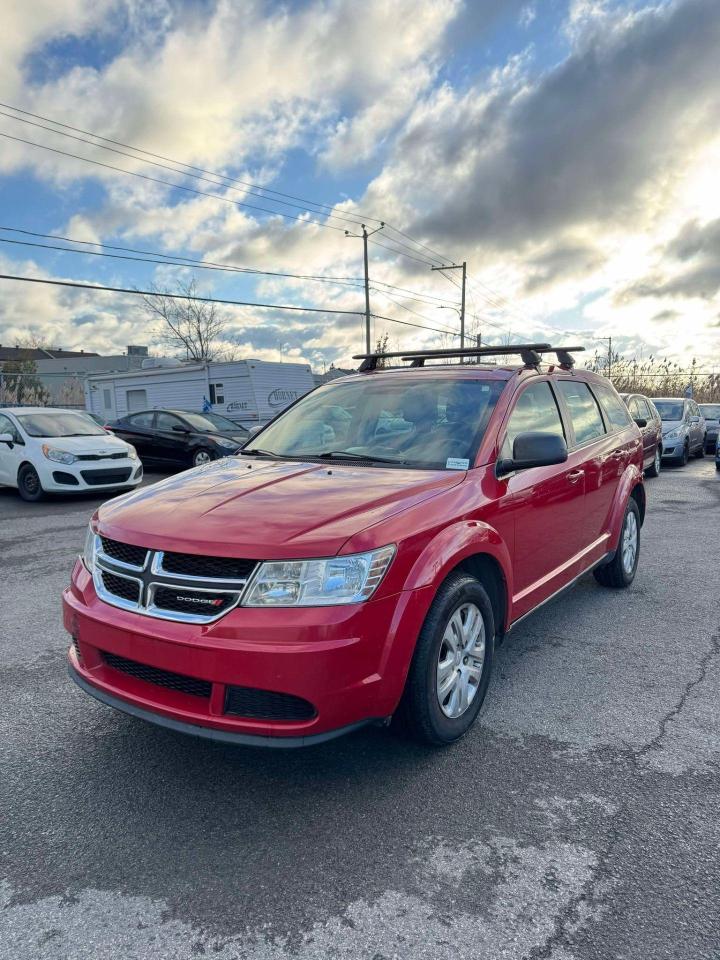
pixel 62 451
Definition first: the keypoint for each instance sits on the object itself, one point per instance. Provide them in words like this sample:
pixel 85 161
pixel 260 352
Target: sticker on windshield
pixel 456 463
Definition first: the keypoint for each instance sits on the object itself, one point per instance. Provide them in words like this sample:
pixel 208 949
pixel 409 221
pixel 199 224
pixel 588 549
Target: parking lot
pixel 579 819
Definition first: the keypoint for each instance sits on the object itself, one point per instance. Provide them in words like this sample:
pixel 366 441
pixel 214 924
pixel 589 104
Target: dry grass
pixel 659 378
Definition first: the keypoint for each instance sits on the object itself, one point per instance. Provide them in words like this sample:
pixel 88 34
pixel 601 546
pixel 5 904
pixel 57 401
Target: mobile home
pixel 249 392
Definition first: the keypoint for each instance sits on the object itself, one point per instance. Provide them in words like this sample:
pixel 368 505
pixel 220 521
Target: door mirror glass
pixel 534 450
pixel 178 428
pixel 6 438
pixel 641 422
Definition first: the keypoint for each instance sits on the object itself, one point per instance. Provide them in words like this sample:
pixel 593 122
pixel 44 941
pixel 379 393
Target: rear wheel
pixel 451 667
pixel 29 486
pixel 620 572
pixel 201 456
pixel 654 469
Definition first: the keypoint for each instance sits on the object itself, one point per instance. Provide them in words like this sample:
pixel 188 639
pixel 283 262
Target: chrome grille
pixel 138 579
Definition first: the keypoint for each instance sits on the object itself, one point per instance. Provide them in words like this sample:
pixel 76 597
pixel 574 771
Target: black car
pixel 180 436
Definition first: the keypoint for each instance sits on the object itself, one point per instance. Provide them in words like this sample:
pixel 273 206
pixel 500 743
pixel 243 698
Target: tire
pixel 685 455
pixel 202 456
pixel 29 486
pixel 654 469
pixel 424 712
pixel 701 452
pixel 620 572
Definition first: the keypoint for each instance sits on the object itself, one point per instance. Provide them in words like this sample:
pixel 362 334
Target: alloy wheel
pixel 658 459
pixel 201 457
pixel 629 542
pixel 461 660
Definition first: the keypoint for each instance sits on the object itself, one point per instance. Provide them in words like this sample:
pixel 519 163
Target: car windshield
pixel 669 409
pixel 211 422
pixel 60 424
pixel 711 411
pixel 434 424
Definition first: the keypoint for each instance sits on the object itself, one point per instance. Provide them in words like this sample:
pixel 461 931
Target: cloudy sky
pixel 569 151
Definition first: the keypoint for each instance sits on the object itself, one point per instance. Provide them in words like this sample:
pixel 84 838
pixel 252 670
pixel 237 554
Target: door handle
pixel 575 475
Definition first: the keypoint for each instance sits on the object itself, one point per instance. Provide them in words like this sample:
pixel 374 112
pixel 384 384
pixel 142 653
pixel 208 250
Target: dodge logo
pixel 213 603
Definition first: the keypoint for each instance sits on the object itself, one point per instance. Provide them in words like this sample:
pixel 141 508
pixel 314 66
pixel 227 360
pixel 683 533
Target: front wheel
pixel 701 450
pixel 685 455
pixel 654 469
pixel 620 572
pixel 451 667
pixel 29 486
pixel 201 457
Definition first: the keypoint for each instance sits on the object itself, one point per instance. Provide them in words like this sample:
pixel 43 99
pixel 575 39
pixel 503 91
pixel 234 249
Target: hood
pixel 95 445
pixel 668 425
pixel 267 509
pixel 238 437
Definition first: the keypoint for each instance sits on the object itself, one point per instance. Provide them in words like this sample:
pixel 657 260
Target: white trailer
pixel 249 392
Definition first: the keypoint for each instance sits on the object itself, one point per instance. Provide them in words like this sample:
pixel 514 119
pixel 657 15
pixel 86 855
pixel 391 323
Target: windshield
pixel 711 411
pixel 435 424
pixel 211 422
pixel 669 409
pixel 59 425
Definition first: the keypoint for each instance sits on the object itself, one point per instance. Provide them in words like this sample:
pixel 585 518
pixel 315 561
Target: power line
pixel 408 323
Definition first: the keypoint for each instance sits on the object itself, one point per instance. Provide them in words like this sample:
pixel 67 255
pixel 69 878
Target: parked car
pixel 683 428
pixel 45 450
pixel 180 437
pixel 711 413
pixel 96 418
pixel 312 585
pixel 646 416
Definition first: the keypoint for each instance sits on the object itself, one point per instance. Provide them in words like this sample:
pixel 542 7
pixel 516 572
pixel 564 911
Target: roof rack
pixel 530 354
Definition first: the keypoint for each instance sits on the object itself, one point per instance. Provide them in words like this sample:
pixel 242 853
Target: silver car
pixel 683 428
pixel 711 412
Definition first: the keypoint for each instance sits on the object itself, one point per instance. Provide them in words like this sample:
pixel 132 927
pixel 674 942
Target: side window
pixel 7 426
pixel 142 419
pixel 535 410
pixel 644 407
pixel 616 413
pixel 584 411
pixel 166 421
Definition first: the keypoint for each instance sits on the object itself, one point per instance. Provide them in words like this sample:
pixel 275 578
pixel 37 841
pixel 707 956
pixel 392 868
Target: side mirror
pixel 694 419
pixel 180 429
pixel 7 438
pixel 533 450
pixel 641 422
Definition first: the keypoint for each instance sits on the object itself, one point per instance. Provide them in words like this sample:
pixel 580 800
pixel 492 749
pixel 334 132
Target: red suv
pixel 363 554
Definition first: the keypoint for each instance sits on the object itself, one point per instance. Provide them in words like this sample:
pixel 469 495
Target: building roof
pixel 39 353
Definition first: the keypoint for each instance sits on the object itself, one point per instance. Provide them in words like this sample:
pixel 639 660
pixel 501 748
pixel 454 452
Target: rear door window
pixel 584 412
pixel 535 411
pixel 144 420
pixel 616 413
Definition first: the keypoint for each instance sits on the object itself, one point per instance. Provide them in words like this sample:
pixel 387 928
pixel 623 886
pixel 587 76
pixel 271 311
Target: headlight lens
pixel 227 444
pixel 318 583
pixel 88 554
pixel 672 435
pixel 132 452
pixel 59 456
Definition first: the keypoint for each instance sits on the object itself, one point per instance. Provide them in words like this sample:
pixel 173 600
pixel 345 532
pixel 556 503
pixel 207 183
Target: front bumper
pixel 673 449
pixel 84 476
pixel 349 662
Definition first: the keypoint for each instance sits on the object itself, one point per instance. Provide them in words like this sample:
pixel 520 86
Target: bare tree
pixel 187 324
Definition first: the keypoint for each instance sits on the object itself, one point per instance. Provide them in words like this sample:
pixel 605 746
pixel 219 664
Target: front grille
pixel 266 705
pixel 124 552
pixel 96 478
pixel 222 568
pixel 161 678
pixel 103 456
pixel 181 600
pixel 121 587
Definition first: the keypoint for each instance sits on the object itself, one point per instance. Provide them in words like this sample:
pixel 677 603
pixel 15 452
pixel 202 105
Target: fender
pixel 631 478
pixel 454 544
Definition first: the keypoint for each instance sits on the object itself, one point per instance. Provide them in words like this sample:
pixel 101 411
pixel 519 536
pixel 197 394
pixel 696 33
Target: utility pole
pixel 459 266
pixel 365 236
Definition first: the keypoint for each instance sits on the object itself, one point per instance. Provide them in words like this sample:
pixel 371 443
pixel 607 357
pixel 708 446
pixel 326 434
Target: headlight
pixel 88 554
pixel 672 435
pixel 224 442
pixel 59 456
pixel 132 452
pixel 318 583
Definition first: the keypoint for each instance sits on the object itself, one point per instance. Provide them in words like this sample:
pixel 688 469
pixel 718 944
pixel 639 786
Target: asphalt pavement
pixel 579 819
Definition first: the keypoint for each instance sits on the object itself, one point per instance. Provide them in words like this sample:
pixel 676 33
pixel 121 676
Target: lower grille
pixel 161 678
pixel 96 478
pixel 266 705
pixel 76 648
pixel 60 476
pixel 121 587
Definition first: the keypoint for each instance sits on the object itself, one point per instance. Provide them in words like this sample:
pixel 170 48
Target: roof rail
pixel 529 352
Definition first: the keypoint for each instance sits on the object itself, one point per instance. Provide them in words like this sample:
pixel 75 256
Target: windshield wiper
pixel 259 452
pixel 348 455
